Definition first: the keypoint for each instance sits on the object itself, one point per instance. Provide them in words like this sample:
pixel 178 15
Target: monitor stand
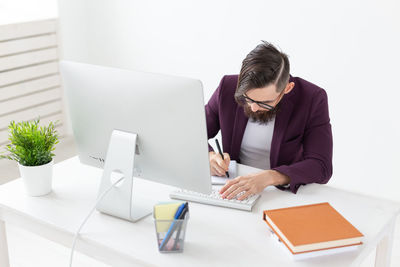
pixel 120 201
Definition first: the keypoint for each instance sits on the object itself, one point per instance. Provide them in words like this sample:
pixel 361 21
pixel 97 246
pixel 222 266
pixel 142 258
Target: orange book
pixel 312 227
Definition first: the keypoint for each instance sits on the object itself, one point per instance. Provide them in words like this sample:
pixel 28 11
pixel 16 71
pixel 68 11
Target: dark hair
pixel 263 66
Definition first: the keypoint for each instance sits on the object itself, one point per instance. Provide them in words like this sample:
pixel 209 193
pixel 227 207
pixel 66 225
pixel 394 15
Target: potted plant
pixel 32 146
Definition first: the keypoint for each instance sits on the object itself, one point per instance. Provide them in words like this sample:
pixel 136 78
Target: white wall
pixel 350 48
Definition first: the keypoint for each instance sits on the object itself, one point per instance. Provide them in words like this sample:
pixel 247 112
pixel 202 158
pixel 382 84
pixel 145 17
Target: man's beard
pixel 262 117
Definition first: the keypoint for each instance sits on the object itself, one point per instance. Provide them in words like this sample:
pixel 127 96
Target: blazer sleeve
pixel 316 164
pixel 212 113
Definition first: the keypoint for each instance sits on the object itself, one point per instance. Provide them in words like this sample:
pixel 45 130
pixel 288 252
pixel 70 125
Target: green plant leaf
pixel 30 143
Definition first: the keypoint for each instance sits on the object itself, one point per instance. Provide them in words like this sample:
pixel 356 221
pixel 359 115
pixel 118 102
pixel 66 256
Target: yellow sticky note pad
pixel 165 212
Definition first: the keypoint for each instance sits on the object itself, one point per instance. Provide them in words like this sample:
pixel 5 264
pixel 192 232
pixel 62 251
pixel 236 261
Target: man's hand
pixel 252 183
pixel 218 165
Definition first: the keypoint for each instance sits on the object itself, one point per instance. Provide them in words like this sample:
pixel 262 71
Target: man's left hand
pixel 253 183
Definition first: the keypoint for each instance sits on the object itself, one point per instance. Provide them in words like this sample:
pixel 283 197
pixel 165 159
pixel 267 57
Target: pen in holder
pixel 171 234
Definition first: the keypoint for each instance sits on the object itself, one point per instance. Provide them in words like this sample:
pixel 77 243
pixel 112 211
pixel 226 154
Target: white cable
pixel 87 217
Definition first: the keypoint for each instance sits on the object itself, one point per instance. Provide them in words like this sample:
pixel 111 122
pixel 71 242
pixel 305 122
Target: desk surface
pixel 215 235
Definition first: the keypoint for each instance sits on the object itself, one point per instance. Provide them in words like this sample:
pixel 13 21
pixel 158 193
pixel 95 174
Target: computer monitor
pixel 166 112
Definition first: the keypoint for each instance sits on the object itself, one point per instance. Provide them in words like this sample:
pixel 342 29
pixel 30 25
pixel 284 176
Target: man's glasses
pixel 261 104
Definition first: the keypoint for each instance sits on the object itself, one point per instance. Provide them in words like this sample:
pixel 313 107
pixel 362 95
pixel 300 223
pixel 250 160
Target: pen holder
pixel 171 234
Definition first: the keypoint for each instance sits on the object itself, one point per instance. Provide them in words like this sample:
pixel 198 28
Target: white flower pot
pixel 37 179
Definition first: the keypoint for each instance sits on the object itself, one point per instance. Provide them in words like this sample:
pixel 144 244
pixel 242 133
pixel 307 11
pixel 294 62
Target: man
pixel 273 121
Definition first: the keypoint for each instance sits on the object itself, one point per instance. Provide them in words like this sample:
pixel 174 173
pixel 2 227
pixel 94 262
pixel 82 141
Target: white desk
pixel 215 236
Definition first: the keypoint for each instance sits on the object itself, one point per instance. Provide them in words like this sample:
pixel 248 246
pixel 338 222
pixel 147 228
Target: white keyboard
pixel 215 199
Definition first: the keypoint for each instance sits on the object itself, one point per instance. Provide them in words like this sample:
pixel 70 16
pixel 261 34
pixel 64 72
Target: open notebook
pixel 216 180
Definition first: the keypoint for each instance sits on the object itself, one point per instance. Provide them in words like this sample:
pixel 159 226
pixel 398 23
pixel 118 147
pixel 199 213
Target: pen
pixel 222 155
pixel 182 217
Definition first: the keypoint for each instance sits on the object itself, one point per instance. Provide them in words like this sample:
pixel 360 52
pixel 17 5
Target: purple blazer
pixel 301 146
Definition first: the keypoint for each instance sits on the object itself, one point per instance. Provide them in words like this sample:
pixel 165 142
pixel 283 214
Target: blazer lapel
pixel 281 123
pixel 238 132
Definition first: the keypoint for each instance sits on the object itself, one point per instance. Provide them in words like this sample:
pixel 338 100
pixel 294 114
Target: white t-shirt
pixel 256 144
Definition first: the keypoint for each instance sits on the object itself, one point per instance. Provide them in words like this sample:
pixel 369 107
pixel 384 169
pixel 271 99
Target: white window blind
pixel 30 85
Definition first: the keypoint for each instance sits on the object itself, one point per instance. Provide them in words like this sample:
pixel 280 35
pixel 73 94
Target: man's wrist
pixel 279 178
